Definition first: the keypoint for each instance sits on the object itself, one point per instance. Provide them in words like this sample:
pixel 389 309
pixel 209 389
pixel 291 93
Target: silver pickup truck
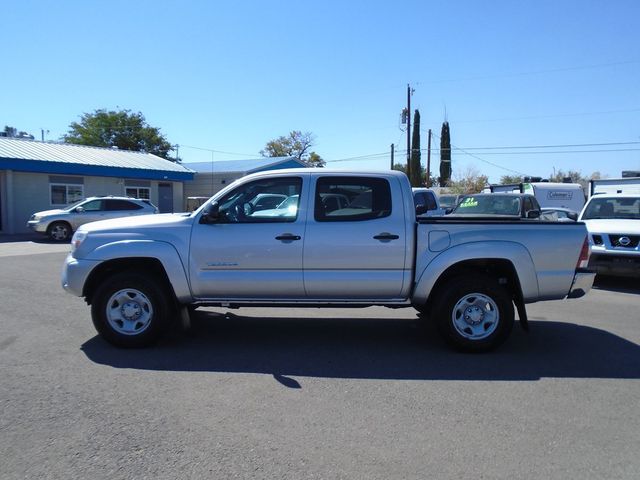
pixel 337 239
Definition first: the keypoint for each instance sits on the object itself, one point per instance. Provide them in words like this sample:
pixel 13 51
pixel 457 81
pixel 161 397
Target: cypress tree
pixel 416 169
pixel 445 155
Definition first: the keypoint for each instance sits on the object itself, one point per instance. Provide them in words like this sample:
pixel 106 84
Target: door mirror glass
pixel 421 209
pixel 533 214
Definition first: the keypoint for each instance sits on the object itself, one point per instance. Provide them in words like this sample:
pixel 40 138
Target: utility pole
pixel 409 91
pixel 428 179
pixel 392 147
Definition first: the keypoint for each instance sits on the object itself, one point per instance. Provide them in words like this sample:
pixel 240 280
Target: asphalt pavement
pixel 313 393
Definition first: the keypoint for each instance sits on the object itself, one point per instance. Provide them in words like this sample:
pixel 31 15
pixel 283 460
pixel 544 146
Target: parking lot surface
pixel 293 393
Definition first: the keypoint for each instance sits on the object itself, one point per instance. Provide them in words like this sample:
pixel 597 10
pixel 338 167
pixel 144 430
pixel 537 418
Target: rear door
pixel 356 252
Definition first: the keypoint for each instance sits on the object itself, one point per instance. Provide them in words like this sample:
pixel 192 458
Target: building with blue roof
pixel 212 177
pixel 36 176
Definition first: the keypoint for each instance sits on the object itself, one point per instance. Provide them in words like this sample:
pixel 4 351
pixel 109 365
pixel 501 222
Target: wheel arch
pixel 496 258
pixel 501 269
pixel 149 266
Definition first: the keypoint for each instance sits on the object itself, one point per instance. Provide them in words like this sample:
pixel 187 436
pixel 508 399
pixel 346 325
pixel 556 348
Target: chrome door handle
pixel 288 236
pixel 386 236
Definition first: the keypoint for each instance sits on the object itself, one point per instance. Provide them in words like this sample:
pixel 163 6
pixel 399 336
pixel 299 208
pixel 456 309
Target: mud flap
pixel 522 312
pixel 185 318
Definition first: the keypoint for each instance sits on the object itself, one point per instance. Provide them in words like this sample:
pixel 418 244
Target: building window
pixel 138 192
pixel 63 194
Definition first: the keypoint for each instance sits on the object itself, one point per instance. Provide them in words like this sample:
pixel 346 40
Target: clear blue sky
pixel 229 76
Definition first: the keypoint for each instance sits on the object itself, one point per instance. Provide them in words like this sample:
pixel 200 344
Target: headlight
pixel 77 240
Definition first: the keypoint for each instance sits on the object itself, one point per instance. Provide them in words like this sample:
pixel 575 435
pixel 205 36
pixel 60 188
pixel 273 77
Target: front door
pixel 357 251
pixel 251 252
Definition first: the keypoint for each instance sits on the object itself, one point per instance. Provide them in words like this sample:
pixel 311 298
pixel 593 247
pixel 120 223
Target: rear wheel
pixel 59 231
pixel 130 310
pixel 474 313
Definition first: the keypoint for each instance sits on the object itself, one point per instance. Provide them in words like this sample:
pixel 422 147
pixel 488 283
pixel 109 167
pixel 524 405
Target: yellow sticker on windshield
pixel 469 202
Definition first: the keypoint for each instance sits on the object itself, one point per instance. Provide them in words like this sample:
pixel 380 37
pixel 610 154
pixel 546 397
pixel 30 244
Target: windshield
pixel 74 205
pixel 610 208
pixel 490 204
pixel 448 201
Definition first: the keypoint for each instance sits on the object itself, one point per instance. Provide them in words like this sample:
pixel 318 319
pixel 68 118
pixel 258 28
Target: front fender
pixel 164 252
pixel 516 253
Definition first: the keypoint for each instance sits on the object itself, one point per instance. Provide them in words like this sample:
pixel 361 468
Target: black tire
pixel 474 313
pixel 59 231
pixel 130 310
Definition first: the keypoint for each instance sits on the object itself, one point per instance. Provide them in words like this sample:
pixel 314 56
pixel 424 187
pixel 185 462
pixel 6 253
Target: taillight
pixel 583 260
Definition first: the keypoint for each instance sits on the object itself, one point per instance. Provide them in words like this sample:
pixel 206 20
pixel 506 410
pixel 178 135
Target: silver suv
pixel 59 224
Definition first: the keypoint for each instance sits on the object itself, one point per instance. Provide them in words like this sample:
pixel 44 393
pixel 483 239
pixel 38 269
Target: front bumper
pixel 37 226
pixel 619 265
pixel 582 283
pixel 75 273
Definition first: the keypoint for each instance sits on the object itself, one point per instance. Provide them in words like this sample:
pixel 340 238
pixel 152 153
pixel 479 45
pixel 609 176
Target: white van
pixel 558 195
pixel 608 186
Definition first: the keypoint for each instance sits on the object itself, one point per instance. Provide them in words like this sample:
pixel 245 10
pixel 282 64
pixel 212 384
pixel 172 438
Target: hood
pixel 46 213
pixel 136 223
pixel 615 225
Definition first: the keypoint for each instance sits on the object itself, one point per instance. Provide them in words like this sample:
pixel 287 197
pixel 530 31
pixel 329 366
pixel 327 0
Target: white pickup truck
pixel 613 223
pixel 340 239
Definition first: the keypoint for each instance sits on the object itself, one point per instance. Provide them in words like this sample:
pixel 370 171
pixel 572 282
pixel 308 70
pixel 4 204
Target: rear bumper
pixel 619 265
pixel 582 283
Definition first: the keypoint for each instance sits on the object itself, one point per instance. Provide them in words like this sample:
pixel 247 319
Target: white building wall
pixel 25 193
pixel 207 184
pixel 30 193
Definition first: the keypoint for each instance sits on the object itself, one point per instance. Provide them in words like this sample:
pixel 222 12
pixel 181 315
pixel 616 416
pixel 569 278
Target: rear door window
pixel 358 199
pixel 113 205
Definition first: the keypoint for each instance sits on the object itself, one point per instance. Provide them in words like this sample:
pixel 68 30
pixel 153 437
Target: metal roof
pixel 246 166
pixel 47 157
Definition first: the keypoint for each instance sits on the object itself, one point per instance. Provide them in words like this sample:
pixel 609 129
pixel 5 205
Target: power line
pixel 219 151
pixel 482 159
pixel 559 115
pixel 533 72
pixel 571 145
pixel 547 152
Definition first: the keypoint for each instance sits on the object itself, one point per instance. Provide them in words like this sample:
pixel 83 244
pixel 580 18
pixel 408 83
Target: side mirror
pixel 573 216
pixel 210 214
pixel 79 209
pixel 533 214
pixel 448 210
pixel 421 209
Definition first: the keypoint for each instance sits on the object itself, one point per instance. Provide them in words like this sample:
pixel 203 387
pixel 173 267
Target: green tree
pixel 445 155
pixel 123 129
pixel 296 144
pixel 471 181
pixel 10 131
pixel 415 170
pixel 505 179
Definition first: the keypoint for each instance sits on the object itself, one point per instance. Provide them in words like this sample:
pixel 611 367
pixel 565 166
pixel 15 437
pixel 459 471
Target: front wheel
pixel 129 310
pixel 59 231
pixel 474 314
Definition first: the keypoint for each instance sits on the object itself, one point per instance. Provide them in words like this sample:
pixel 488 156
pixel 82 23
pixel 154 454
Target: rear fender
pixel 513 252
